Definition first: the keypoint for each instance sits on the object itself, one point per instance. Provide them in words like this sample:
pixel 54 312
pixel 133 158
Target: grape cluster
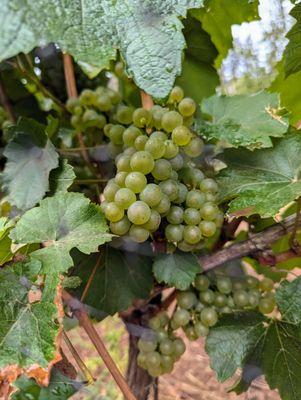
pixel 157 182
pixel 198 309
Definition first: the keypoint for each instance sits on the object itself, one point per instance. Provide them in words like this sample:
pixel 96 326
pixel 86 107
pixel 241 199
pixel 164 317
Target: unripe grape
pixel 121 227
pixel 252 282
pixel 192 216
pixel 224 284
pixel 139 213
pixel 120 178
pixel 181 135
pixel 157 113
pixel 142 161
pixel 186 247
pixel 201 282
pixel 138 234
pixel 123 163
pixel 186 300
pixel 207 296
pixel 140 142
pixel 124 197
pixel 266 305
pixel 176 95
pixel 194 148
pixel 142 117
pixel 159 135
pixel 151 194
pixel 171 149
pixel 124 114
pixel 155 147
pixel 113 212
pixel 72 103
pixel 174 233
pixel 170 120
pixel 170 188
pixel 177 162
pixel 182 193
pixel 190 333
pixel 181 317
pixel 208 185
pixel 147 345
pixel 174 177
pixel 129 151
pixel 166 347
pixel 266 285
pixel 103 102
pixel 167 363
pixel 208 316
pixel 179 347
pixel 164 205
pixel 155 372
pixel 220 300
pixel 241 298
pixel 253 300
pixel 136 181
pixel 208 211
pixel 200 329
pixel 130 134
pixel 154 323
pixel 208 228
pixel 153 223
pixel 114 96
pixel 175 215
pixel 87 97
pixel 107 129
pixel 162 170
pixel 192 234
pixel 110 191
pixel 187 107
pixel 195 199
pixel 141 360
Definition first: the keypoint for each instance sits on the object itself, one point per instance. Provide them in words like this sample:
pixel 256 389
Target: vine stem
pixel 146 100
pixel 258 242
pixel 6 103
pixel 80 313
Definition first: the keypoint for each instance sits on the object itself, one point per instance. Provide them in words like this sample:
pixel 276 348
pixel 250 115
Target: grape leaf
pixel 120 278
pixel 245 120
pixel 281 359
pixel 148 34
pixel 224 13
pixel 262 181
pixel 288 298
pixel 61 223
pixel 61 178
pixel 5 242
pixel 30 158
pixel 60 388
pixel 292 52
pixel 178 269
pixel 232 342
pixel 29 329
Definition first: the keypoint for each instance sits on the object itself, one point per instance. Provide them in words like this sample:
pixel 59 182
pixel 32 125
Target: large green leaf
pixel 288 298
pixel 6 253
pixel 60 388
pixel 30 158
pixel 217 18
pixel 120 278
pixel 262 181
pixel 28 330
pixel 178 269
pixel 281 359
pixel 61 178
pixel 244 120
pixel 62 222
pixel 292 53
pixel 233 341
pixel 148 34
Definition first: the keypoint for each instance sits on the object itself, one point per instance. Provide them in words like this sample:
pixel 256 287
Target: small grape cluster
pixel 198 309
pixel 156 177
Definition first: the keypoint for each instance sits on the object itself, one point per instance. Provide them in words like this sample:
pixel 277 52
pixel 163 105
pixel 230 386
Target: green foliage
pixel 148 34
pixel 62 222
pixel 5 241
pixel 30 158
pixel 119 279
pixel 248 121
pixel 177 269
pixel 263 181
pixel 292 54
pixel 289 300
pixel 61 178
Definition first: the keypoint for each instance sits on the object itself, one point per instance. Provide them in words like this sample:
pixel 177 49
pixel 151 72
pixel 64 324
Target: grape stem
pixel 6 103
pixel 78 310
pixel 258 242
pixel 146 100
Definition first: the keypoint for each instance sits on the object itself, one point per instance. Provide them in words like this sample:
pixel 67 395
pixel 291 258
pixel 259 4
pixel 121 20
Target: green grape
pixel 174 326
pixel 208 316
pixel 124 114
pixel 91 117
pixel 155 372
pixel 119 69
pixel 78 111
pixel 154 323
pixel 114 96
pixel 116 133
pixel 230 302
pixel 181 317
pixel 224 284
pixel 153 359
pixel 200 329
pixel 76 122
pixel 113 212
pixel 146 345
pixel 241 298
pixel 266 285
pixel 225 310
pixel 194 148
pixel 151 194
pixel 162 170
pixel 153 223
pixel 252 282
pixel 174 233
pixel 195 199
pixel 167 362
pixel 192 234
pixel 201 282
pixel 186 247
pixel 253 300
pixel 182 193
pixel 186 300
pixel 129 151
pixel 210 197
pixel 208 185
pixel 208 211
pixel 164 318
pixel 130 135
pixel 142 117
pixel 87 97
pixel 121 227
pixel 187 107
pixel 188 121
pixel 163 206
pixel 107 129
pixel 155 147
pixel 199 306
pixel 135 181
pixel 124 198
pixel 120 178
pixel 179 347
pixel 255 292
pixel 141 360
pixel 190 333
pixel 103 102
pixel 104 206
pixel 220 300
pixel 170 120
pixel 72 103
pixel 157 113
pixel 170 188
pixel 174 176
pixel 266 305
pixel 177 162
pixel 123 163
pixel 176 95
pixel 110 191
pixel 159 135
pixel 238 285
pixel 139 212
pixel 192 216
pixel 207 296
pixel 208 228
pixel 138 234
pixel 181 135
pixel 166 347
pixel 171 149
pixel 142 161
pixel 161 334
pixel 140 142
pixel 175 215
